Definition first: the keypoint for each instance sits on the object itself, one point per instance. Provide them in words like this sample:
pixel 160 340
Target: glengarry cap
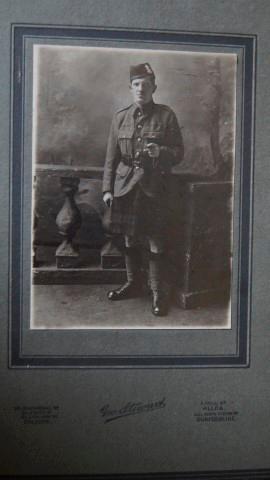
pixel 141 70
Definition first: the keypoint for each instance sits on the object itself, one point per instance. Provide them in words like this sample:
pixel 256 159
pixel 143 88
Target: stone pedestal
pixel 205 274
pixel 111 257
pixel 66 255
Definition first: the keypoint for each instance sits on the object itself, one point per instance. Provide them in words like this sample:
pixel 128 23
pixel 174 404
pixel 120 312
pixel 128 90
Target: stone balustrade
pixel 58 205
pixel 68 214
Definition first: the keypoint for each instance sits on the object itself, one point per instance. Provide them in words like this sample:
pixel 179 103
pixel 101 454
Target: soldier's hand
pixel 153 150
pixel 108 199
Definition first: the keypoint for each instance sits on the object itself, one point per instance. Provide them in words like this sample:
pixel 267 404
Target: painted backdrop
pixel 76 92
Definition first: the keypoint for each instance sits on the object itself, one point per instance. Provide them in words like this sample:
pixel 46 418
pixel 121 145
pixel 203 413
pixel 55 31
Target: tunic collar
pixel 143 109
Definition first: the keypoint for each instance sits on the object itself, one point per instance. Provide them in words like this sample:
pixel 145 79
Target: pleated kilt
pixel 137 214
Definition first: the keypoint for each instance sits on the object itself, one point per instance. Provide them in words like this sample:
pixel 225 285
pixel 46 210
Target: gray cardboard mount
pixel 76 440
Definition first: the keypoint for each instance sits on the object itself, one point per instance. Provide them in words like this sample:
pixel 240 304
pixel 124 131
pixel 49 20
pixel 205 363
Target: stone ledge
pixel 76 276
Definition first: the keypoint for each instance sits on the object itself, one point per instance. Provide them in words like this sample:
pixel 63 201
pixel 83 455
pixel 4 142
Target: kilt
pixel 139 215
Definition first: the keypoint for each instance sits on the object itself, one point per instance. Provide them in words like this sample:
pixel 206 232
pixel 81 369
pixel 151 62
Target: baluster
pixel 110 255
pixel 68 221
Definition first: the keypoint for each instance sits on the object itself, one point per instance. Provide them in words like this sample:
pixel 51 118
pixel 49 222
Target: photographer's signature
pixel 130 408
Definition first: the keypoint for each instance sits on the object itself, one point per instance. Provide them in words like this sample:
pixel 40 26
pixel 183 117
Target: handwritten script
pixel 130 408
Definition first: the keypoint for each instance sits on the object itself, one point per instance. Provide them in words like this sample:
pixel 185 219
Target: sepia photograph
pixel 133 158
pixel 134 239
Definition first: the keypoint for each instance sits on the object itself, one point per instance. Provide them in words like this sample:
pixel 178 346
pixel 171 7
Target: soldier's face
pixel 142 90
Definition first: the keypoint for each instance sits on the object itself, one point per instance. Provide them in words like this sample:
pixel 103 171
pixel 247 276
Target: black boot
pixel 159 300
pixel 132 288
pixel 159 303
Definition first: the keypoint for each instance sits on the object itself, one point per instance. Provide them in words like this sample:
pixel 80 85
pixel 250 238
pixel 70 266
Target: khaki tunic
pixel 137 181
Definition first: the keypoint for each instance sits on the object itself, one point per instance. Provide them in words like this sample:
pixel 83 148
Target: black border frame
pixel 263 474
pixel 245 42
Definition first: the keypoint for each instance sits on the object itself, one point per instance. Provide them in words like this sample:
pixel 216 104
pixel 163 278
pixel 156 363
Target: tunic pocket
pixel 125 141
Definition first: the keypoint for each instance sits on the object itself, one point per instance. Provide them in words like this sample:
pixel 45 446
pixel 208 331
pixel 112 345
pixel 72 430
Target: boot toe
pixel 128 290
pixel 159 305
pixel 112 295
pixel 158 311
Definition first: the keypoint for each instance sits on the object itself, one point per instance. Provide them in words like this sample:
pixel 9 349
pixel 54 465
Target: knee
pixel 156 246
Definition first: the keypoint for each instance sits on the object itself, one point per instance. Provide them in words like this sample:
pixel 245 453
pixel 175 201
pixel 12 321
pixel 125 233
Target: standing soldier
pixel 144 143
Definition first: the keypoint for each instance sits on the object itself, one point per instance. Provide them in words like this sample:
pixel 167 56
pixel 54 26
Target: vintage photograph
pixel 133 155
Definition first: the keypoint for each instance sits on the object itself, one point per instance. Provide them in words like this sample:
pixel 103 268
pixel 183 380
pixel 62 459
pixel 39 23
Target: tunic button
pixel 139 126
pixel 139 139
pixel 137 154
